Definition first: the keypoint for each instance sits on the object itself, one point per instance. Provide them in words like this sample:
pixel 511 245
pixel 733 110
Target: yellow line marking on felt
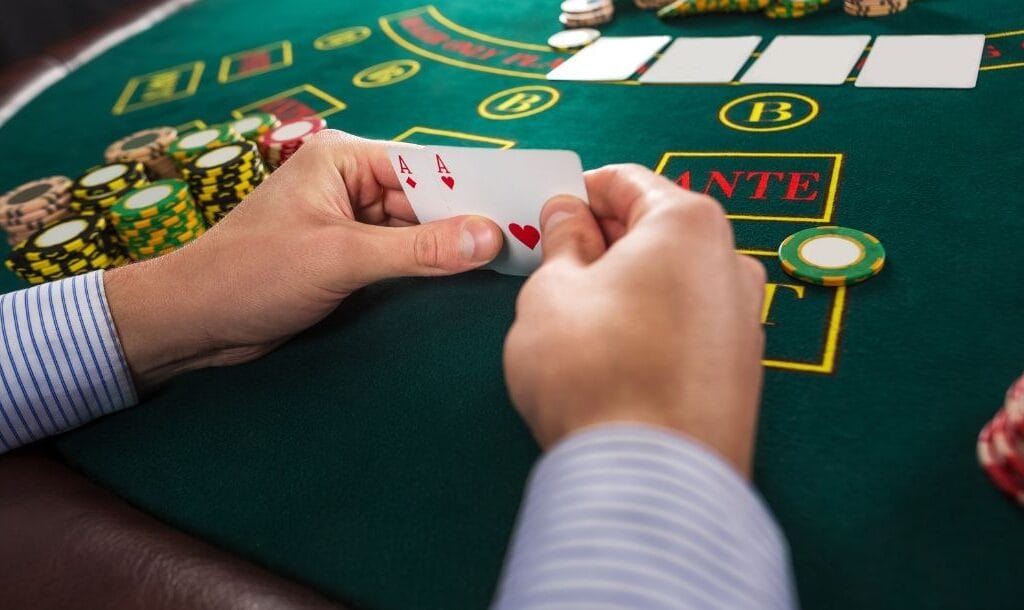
pixel 196 68
pixel 224 75
pixel 1002 67
pixel 835 323
pixel 336 104
pixel 1006 34
pixel 458 135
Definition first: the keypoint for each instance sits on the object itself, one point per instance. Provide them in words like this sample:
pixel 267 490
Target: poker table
pixel 376 457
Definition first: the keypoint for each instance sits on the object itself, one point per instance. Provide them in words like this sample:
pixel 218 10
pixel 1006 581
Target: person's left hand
pixel 332 220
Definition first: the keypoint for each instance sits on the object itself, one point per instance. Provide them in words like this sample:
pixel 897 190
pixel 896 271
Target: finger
pixel 632 201
pixel 754 271
pixel 397 205
pixel 754 277
pixel 356 159
pixel 369 177
pixel 363 165
pixel 390 205
pixel 628 192
pixel 612 229
pixel 444 247
pixel 570 231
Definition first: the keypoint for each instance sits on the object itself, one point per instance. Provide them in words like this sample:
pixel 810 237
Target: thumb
pixel 570 230
pixel 443 247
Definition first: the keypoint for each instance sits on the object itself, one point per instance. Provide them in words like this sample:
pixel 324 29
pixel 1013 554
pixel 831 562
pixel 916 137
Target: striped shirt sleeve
pixel 61 364
pixel 630 516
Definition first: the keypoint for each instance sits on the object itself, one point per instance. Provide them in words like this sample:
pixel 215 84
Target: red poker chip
pixel 1014 406
pixel 988 457
pixel 292 132
pixel 1006 444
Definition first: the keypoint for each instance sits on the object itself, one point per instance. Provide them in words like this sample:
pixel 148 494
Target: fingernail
pixel 478 241
pixel 558 209
pixel 555 218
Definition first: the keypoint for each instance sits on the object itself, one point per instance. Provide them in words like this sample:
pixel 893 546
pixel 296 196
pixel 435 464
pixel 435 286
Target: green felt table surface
pixel 376 457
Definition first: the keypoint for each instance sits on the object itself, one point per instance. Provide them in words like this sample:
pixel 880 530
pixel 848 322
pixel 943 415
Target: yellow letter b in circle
pixel 387 73
pixel 766 112
pixel 518 102
pixel 782 111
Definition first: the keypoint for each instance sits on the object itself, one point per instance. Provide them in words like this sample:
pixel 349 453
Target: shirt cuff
pixel 62 364
pixel 631 516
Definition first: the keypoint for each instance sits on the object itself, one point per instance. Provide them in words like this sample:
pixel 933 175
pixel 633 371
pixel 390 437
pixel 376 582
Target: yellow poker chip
pixel 64 248
pixel 220 179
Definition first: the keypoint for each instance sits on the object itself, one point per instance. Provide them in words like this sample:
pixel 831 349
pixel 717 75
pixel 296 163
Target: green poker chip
pixel 832 256
pixel 252 126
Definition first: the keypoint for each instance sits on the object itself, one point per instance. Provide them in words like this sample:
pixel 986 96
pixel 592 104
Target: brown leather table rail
pixel 67 543
pixel 61 55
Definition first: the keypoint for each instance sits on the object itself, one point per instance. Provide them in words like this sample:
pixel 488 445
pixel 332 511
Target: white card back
pixel 807 60
pixel 702 60
pixel 933 62
pixel 610 58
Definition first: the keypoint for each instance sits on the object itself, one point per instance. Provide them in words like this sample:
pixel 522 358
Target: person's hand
pixel 641 312
pixel 330 221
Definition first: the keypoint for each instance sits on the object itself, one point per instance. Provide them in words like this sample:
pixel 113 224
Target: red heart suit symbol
pixel 448 181
pixel 529 234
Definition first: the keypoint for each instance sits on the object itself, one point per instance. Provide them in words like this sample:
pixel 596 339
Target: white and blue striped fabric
pixel 61 363
pixel 617 516
pixel 633 517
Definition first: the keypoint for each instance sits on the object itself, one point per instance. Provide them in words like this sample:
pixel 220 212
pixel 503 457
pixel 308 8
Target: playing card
pixel 609 58
pixel 937 62
pixel 807 60
pixel 702 60
pixel 413 166
pixel 510 187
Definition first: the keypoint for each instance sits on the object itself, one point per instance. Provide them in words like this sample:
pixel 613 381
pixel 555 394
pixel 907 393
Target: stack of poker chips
pixel 652 4
pixel 68 247
pixel 100 187
pixel 1001 445
pixel 874 8
pixel 789 9
pixel 778 9
pixel 586 13
pixel 31 206
pixel 252 126
pixel 148 147
pixel 221 178
pixel 156 219
pixel 190 146
pixel 685 8
pixel 278 144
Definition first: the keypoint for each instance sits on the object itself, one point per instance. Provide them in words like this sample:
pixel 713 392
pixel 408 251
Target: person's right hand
pixel 641 312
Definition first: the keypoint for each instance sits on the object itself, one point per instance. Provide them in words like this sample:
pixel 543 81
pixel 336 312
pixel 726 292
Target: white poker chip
pixel 584 6
pixel 573 39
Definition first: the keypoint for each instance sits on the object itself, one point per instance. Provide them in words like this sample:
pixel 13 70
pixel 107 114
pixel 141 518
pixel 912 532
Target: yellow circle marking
pixel 387 73
pixel 765 98
pixel 518 102
pixel 345 37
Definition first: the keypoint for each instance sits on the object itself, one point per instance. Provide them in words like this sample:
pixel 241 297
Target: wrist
pixel 729 442
pixel 156 315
